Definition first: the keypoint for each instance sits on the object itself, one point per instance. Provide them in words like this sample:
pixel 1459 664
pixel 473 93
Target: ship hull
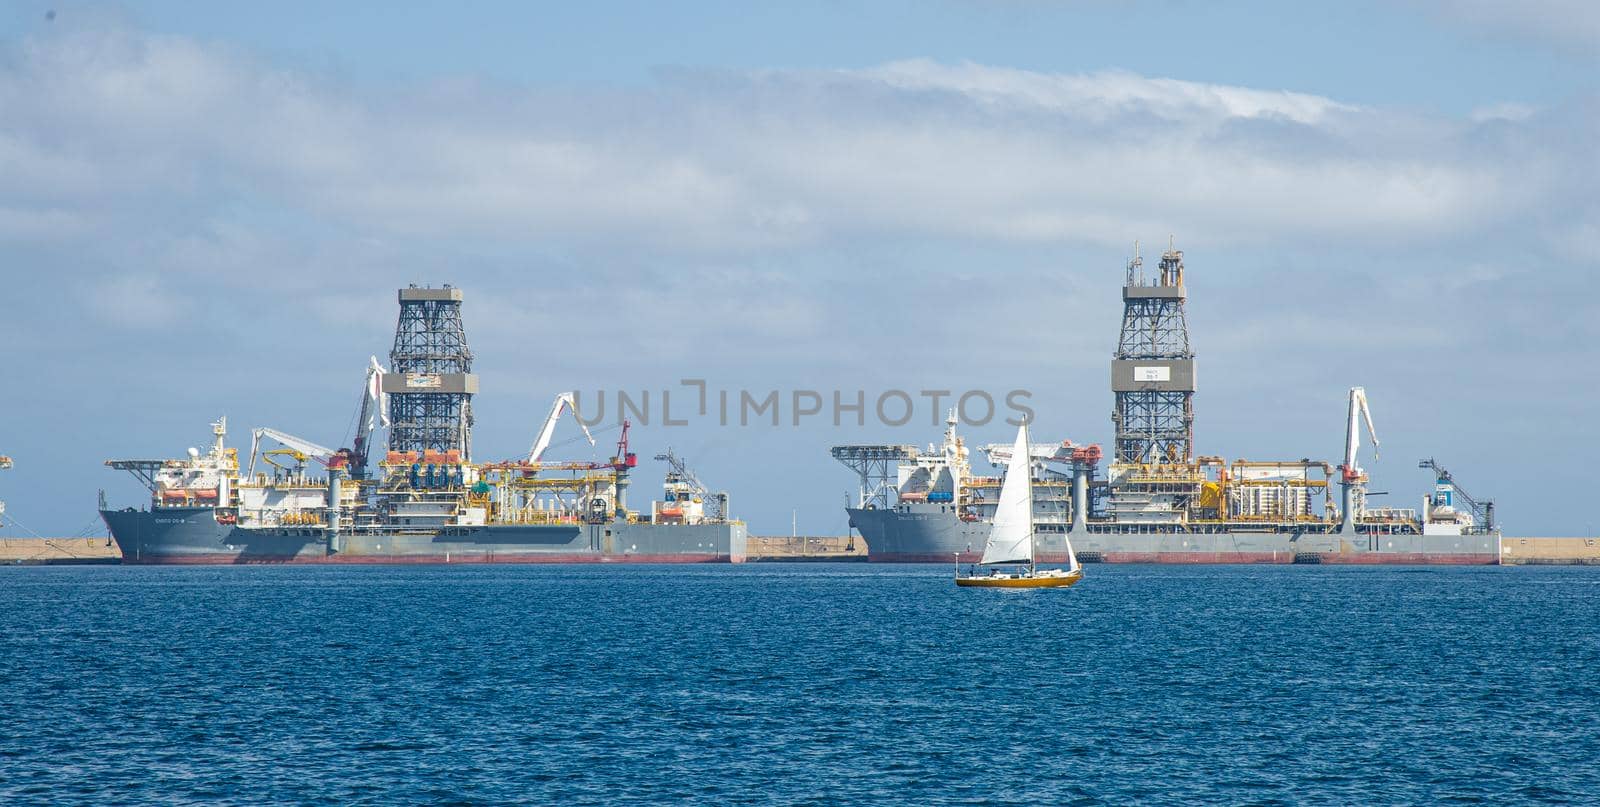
pixel 896 537
pixel 193 536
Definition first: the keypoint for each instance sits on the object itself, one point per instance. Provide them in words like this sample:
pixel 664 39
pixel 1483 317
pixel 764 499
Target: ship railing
pixel 537 518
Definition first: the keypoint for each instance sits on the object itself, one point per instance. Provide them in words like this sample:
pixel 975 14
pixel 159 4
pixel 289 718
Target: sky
pixel 205 209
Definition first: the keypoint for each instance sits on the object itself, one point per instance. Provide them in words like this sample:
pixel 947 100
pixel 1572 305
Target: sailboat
pixel 1009 554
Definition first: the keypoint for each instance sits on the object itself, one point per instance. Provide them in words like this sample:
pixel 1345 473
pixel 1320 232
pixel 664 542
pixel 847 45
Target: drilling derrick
pixel 1152 375
pixel 431 383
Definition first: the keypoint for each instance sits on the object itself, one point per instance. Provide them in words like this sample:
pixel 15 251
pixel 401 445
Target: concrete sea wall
pixel 1550 551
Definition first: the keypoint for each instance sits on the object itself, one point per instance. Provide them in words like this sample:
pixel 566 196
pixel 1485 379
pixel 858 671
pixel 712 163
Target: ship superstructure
pixel 1158 501
pixel 426 500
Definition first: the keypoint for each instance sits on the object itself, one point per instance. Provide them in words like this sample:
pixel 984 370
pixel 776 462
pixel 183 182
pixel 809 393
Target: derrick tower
pixel 1152 373
pixel 431 383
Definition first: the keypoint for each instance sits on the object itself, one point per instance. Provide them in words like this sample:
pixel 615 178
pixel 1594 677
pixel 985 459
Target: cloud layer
pixel 718 161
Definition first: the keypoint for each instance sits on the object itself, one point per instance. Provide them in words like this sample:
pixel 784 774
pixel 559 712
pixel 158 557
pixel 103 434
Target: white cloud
pixel 1107 95
pixel 1506 111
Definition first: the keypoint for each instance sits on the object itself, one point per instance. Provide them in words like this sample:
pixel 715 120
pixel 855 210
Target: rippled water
pixel 808 684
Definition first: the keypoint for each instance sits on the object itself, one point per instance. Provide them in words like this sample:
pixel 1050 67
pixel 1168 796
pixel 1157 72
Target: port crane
pixel 1482 511
pixel 566 401
pixel 374 414
pixel 1353 478
pixel 298 448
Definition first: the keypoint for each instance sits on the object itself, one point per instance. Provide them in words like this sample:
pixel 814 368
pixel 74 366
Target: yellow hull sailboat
pixel 1042 578
pixel 1009 553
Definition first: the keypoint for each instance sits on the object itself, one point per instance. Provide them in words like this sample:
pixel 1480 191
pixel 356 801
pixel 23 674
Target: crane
pixel 684 480
pixel 1482 511
pixel 1354 480
pixel 5 462
pixel 299 448
pixel 563 402
pixel 680 472
pixel 374 414
pixel 1352 436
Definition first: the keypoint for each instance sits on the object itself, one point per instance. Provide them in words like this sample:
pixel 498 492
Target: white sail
pixel 1011 534
pixel 1072 557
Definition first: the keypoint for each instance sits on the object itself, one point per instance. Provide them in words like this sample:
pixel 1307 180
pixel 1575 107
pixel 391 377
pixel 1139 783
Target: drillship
pixel 1157 502
pixel 427 502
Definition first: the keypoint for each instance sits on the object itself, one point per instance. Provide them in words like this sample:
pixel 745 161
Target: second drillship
pixel 1157 501
pixel 428 501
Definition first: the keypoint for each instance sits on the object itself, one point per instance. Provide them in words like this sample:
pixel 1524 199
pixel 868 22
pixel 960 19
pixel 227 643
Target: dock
pixel 57 551
pixel 805 549
pixel 1550 551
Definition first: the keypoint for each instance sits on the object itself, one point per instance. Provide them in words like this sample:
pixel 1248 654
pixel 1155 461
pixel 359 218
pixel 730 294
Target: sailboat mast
pixel 1025 443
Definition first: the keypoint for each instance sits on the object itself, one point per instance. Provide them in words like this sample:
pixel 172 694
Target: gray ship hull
pixel 193 536
pixel 896 537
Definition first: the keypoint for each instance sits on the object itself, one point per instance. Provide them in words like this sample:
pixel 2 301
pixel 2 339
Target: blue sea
pixel 797 684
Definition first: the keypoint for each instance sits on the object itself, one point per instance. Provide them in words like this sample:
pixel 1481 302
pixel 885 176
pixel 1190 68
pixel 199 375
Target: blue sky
pixel 205 208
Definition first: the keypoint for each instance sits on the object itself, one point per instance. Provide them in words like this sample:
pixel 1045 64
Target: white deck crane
pixel 300 448
pixel 1354 479
pixel 565 401
pixel 374 415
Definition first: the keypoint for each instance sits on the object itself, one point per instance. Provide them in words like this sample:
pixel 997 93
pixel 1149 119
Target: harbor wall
pixel 1550 551
pixel 57 551
pixel 803 548
pixel 1529 551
